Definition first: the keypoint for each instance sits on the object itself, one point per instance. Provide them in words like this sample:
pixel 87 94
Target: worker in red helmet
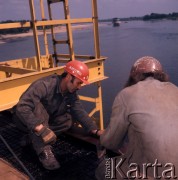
pixel 49 107
pixel 144 122
pixel 146 66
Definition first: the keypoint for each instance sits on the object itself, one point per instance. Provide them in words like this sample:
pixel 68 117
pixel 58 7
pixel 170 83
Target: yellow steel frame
pixel 16 75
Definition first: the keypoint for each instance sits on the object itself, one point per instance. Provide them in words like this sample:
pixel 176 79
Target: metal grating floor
pixel 78 159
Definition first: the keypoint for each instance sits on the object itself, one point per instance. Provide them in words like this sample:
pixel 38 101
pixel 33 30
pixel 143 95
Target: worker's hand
pixel 97 133
pixel 100 132
pixel 47 135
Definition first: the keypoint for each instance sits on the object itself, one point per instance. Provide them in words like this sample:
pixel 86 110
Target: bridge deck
pixel 78 158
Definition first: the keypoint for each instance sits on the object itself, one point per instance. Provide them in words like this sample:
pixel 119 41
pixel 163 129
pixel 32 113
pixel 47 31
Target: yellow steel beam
pixel 14 25
pixel 15 70
pixel 64 21
pixel 89 99
pixel 93 112
pixel 29 63
pixel 96 69
pixel 44 23
pixel 12 88
pixel 80 56
pixel 98 104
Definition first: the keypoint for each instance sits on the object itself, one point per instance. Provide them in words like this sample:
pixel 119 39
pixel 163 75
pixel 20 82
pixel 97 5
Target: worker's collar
pixel 149 78
pixel 58 89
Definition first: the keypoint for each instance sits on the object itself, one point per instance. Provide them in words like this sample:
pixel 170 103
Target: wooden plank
pixel 7 172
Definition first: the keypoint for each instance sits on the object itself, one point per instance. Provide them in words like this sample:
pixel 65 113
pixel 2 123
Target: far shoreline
pixel 8 37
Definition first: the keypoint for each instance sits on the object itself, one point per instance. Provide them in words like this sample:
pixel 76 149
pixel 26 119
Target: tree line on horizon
pixel 152 16
pixel 172 16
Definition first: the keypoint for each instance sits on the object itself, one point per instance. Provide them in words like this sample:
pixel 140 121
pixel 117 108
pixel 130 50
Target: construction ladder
pixel 69 40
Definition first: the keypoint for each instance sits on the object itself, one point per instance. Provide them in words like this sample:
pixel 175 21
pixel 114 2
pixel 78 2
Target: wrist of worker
pixel 96 132
pixel 38 128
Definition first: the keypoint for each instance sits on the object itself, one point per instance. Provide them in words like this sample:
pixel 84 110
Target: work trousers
pixel 58 124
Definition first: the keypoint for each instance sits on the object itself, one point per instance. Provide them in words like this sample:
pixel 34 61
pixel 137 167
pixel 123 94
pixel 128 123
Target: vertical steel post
pixel 33 21
pixel 52 33
pixel 100 102
pixel 44 28
pixel 97 55
pixel 69 30
pixel 95 26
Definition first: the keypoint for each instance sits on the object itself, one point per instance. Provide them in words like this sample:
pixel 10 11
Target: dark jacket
pixel 47 92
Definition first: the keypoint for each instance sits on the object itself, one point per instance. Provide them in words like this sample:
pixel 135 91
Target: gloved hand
pixel 47 135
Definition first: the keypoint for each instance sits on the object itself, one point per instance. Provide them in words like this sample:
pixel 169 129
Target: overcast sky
pixel 19 9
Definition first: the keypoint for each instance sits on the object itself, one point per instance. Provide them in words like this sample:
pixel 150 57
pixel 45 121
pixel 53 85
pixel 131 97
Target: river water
pixel 122 45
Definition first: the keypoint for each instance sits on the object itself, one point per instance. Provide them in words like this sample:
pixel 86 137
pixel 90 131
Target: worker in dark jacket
pixel 145 120
pixel 49 106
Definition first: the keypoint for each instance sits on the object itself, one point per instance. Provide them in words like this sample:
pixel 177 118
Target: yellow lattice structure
pixel 16 75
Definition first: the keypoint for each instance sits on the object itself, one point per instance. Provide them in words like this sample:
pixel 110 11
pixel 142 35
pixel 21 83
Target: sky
pixel 19 9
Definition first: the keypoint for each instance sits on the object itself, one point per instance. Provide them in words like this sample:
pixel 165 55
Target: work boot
pixel 48 159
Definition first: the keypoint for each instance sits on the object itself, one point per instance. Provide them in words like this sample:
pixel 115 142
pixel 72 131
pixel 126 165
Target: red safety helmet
pixel 145 65
pixel 78 69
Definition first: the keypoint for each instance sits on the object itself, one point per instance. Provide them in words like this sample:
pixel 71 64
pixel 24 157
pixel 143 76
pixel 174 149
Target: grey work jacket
pixel 147 115
pixel 47 92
